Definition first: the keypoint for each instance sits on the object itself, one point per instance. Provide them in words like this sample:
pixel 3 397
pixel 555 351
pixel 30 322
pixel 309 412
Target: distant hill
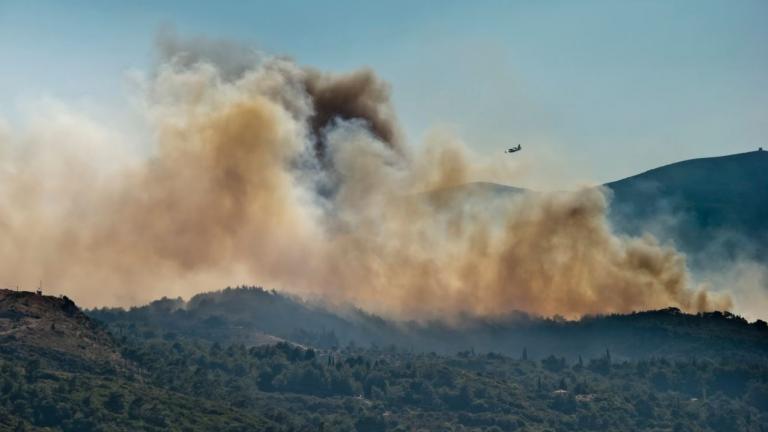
pixel 717 202
pixel 230 315
pixel 253 316
pixel 711 208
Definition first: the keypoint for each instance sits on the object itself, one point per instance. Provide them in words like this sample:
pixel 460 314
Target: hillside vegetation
pixel 180 368
pixel 243 315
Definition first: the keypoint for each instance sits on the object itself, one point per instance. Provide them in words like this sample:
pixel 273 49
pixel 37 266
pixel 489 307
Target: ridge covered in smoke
pixel 261 169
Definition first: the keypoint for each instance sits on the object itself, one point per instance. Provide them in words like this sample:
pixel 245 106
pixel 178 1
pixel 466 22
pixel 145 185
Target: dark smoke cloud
pixel 359 95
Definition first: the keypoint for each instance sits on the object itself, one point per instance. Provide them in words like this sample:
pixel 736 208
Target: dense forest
pixel 179 384
pixel 188 366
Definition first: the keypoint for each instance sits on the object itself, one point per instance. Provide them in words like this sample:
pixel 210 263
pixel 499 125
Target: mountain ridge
pixel 668 332
pixel 710 207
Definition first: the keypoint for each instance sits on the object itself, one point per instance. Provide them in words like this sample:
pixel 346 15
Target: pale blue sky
pixel 615 87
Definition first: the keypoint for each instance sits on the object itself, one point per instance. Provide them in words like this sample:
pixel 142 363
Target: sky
pixel 608 88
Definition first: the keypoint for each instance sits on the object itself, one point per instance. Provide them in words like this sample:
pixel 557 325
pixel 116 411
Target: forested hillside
pixel 244 315
pixel 191 366
pixel 194 385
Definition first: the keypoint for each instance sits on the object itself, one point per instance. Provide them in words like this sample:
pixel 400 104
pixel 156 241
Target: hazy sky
pixel 614 87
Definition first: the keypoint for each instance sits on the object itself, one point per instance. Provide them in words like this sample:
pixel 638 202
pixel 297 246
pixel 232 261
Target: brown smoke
pixel 230 195
pixel 359 95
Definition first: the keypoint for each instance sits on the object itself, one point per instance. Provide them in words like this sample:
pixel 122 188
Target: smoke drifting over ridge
pixel 264 171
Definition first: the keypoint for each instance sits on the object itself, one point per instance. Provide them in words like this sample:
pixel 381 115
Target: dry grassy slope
pixel 54 330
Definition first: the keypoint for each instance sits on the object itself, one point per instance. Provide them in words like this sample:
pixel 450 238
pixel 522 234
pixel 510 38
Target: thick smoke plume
pixel 267 172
